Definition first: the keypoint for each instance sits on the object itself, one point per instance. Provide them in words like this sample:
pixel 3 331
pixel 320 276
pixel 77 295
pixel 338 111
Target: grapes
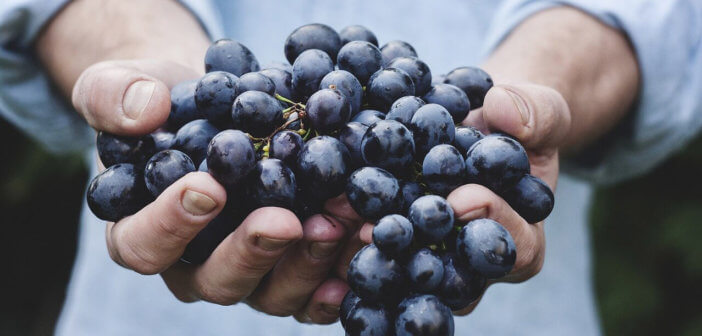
pixel 459 287
pixel 369 319
pixel 323 166
pixel 373 192
pixel 164 168
pixel 272 184
pixel 386 86
pixel 360 58
pixel 443 169
pixel 347 84
pixel 368 117
pixel 417 70
pixel 282 79
pixel 347 304
pixel 531 198
pixel 255 81
pixel 375 277
pixel 466 136
pixel 357 33
pixel 497 162
pixel 230 56
pixel 117 192
pixel 163 140
pixel 423 315
pixel 473 81
pixel 394 49
pixel 230 157
pixel 431 125
pixel 452 98
pixel 351 136
pixel 425 271
pixel 114 149
pixel 285 145
pixel 193 139
pixel 183 107
pixel 393 234
pixel 328 111
pixel 487 248
pixel 257 113
pixel 409 192
pixel 308 70
pixel 389 145
pixel 312 36
pixel 214 95
pixel 404 108
pixel 431 217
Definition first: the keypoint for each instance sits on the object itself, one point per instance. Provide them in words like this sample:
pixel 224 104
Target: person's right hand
pixel 132 98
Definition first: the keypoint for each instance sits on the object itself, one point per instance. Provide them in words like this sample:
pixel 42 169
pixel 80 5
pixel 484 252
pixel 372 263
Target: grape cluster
pixel 345 117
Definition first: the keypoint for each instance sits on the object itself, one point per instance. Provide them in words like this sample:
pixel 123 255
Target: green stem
pixel 283 99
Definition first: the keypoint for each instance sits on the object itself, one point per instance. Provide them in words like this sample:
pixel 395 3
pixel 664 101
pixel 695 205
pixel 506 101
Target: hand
pixel 272 262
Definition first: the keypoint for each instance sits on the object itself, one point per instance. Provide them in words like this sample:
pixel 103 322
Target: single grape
pixel 285 145
pixel 272 183
pixel 117 192
pixel 360 58
pixel 347 84
pixel 347 304
pixel 368 319
pixel 531 198
pixel 431 217
pixel 230 157
pixel 386 86
pixel 357 33
pixel 203 166
pixel 423 315
pixel 388 144
pixel 312 36
pixel 459 287
pixel 113 149
pixel 487 248
pixel 230 56
pixel 214 95
pixel 375 277
pixel 424 271
pixel 308 70
pixel 404 109
pixel 327 111
pixel 285 66
pixel 497 162
pixel 443 169
pixel 282 79
pixel 183 107
pixel 473 81
pixel 394 49
pixel 164 168
pixel 368 117
pixel 417 70
pixel 323 166
pixel 294 122
pixel 431 125
pixel 257 113
pixel 409 192
pixel 373 192
pixel 466 136
pixel 351 136
pixel 162 140
pixel 194 137
pixel 393 235
pixel 255 81
pixel 452 98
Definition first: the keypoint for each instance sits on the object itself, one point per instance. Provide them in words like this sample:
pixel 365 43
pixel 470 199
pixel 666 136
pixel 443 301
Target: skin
pixel 572 83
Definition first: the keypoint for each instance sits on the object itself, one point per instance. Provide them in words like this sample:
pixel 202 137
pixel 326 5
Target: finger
pixel 341 211
pixel 156 236
pixel 128 97
pixel 353 245
pixel 366 233
pixel 238 264
pixel 303 268
pixel 323 307
pixel 472 201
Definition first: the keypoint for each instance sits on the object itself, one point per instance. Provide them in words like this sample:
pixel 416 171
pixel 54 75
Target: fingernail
pixel 520 104
pixel 322 250
pixel 473 214
pixel 197 204
pixel 330 309
pixel 270 244
pixel 137 97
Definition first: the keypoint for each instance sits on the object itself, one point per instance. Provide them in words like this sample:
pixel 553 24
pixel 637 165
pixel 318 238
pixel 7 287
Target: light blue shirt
pixel 105 299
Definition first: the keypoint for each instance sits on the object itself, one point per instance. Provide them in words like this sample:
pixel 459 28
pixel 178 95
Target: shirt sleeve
pixel 28 98
pixel 666 36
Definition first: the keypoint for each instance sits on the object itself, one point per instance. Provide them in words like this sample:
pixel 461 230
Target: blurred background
pixel 646 232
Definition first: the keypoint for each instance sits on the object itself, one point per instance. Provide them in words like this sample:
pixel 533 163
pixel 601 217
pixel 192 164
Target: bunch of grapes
pixel 346 117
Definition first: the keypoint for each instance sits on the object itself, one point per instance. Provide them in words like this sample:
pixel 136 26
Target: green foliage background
pixel 646 232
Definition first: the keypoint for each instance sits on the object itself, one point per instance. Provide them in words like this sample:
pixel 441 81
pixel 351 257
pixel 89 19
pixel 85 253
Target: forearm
pixel 590 64
pixel 86 32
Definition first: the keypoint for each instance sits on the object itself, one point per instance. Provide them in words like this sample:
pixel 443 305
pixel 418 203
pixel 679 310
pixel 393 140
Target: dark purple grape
pixel 368 117
pixel 423 315
pixel 360 58
pixel 230 56
pixel 424 271
pixel 375 277
pixel 347 304
pixel 473 81
pixel 203 166
pixel 432 218
pixel 531 198
pixel 417 70
pixel 312 36
pixel 257 113
pixel 357 33
pixel 386 86
pixel 459 286
pixel 207 240
pixel 443 169
pixel 194 137
pixel 431 125
pixel 487 248
pixel 394 49
pixel 308 70
pixel 347 84
pixel 272 183
pixel 388 144
pixel 393 234
pixel 113 149
pixel 466 136
pixel 163 140
pixel 294 122
pixel 409 192
pixel 497 162
pixel 307 204
pixel 230 157
pixel 285 66
pixel 255 81
pixel 327 111
pixel 164 168
pixel 117 192
pixel 452 98
pixel 404 108
pixel 323 166
pixel 351 136
pixel 373 192
pixel 214 95
pixel 282 79
pixel 285 145
pixel 367 319
pixel 183 107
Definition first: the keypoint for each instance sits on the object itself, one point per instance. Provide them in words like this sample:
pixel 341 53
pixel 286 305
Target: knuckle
pixel 138 259
pixel 220 296
pixel 273 308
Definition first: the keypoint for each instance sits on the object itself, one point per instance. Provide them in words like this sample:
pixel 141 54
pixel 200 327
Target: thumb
pixel 127 97
pixel 538 116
